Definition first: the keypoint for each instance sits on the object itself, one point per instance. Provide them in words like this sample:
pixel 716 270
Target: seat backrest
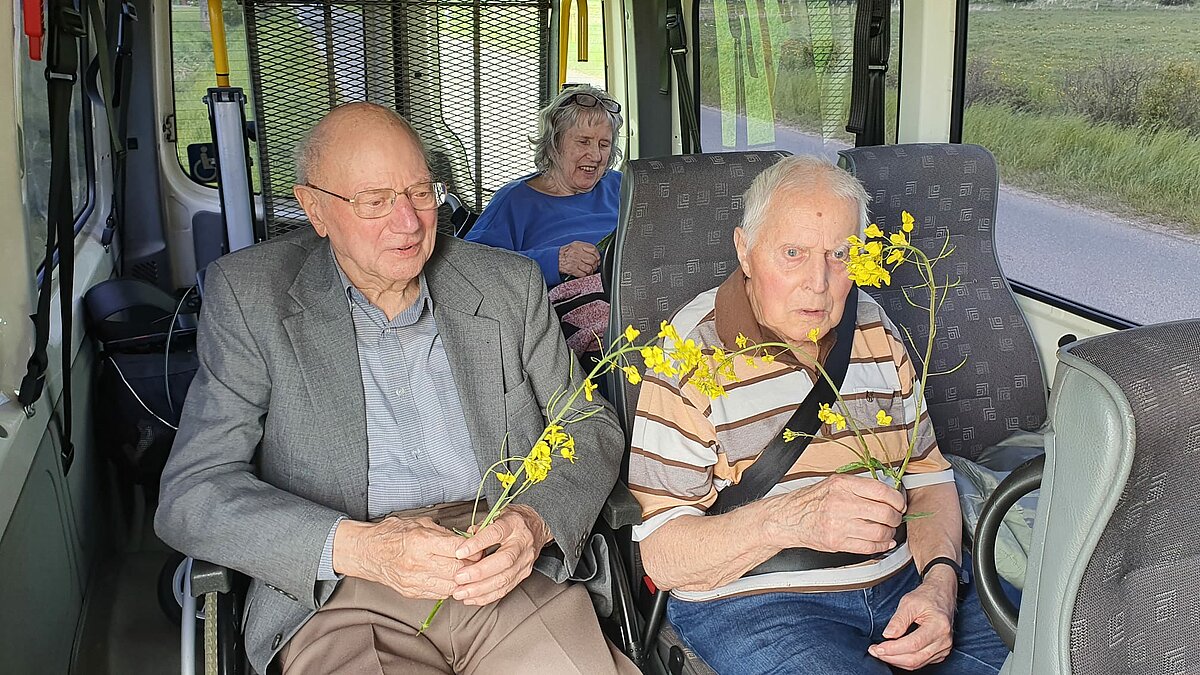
pixel 1111 585
pixel 951 192
pixel 674 240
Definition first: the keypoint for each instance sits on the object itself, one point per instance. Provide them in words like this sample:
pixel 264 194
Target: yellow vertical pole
pixel 582 19
pixel 581 39
pixel 564 25
pixel 216 25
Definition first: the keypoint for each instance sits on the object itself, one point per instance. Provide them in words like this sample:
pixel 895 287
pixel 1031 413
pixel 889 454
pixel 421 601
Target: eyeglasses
pixel 380 202
pixel 591 101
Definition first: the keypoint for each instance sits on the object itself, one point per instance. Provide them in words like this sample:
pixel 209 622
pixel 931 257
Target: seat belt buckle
pixel 70 21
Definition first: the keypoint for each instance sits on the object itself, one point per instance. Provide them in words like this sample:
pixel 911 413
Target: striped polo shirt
pixel 687 448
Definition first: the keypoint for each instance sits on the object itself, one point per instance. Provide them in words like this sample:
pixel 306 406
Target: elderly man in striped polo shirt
pixel 833 614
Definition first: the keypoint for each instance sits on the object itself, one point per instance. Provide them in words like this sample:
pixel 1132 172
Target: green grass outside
pixel 1030 49
pixel 1126 171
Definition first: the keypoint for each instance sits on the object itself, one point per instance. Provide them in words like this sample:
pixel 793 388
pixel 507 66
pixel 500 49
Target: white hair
pixel 559 116
pixel 805 174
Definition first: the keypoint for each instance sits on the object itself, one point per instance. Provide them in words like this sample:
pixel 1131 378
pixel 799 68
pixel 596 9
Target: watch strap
pixel 951 562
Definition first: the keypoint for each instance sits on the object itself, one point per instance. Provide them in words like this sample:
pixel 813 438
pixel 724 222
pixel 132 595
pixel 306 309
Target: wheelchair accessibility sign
pixel 202 162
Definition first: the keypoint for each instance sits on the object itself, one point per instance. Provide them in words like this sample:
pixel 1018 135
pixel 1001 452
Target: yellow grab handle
pixel 216 26
pixel 564 27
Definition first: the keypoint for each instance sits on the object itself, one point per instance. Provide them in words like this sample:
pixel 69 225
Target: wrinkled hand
pixel 578 259
pixel 842 513
pixel 521 534
pixel 931 607
pixel 415 557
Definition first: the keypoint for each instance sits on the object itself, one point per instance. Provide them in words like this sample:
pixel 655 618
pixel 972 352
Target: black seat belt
pixel 779 455
pixel 114 90
pixel 677 51
pixel 66 28
pixel 872 38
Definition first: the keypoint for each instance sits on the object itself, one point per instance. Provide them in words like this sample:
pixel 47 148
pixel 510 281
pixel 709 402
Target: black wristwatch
pixel 961 574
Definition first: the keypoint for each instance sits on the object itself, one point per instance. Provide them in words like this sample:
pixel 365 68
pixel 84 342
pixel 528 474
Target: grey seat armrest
pixel 621 508
pixel 210 578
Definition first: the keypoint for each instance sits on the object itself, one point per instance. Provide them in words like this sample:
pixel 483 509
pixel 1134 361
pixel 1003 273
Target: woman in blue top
pixel 557 215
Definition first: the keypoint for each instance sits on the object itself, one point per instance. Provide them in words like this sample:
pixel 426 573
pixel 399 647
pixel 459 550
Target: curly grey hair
pixel 558 116
pixel 802 173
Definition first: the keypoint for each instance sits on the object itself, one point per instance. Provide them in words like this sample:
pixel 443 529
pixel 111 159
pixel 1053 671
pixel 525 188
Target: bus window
pixel 35 138
pixel 193 70
pixel 777 75
pixel 592 70
pixel 1092 110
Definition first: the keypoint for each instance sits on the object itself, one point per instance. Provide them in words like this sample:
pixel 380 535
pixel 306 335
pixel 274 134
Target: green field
pixel 1097 105
pixel 1096 102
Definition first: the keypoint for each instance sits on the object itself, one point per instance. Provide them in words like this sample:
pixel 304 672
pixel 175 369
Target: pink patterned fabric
pixel 584 325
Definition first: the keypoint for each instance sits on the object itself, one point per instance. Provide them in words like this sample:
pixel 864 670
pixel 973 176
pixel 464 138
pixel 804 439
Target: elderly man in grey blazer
pixel 356 380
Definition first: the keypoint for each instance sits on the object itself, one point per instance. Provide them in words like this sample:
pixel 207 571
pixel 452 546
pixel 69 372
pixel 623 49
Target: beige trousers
pixel 539 628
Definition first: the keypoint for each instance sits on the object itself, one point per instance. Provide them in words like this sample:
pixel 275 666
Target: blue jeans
pixel 826 633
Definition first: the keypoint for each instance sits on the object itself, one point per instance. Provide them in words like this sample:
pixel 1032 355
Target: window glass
pixel 592 69
pixel 1092 110
pixel 35 152
pixel 194 71
pixel 777 75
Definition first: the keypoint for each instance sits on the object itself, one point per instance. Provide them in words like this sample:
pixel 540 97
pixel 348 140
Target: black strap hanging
pixel 66 28
pixel 677 51
pixel 872 42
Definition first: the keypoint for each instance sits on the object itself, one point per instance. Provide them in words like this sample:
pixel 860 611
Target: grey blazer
pixel 272 446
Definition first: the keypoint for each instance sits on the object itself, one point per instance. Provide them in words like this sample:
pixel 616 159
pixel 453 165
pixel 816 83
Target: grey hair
pixel 315 141
pixel 801 173
pixel 557 117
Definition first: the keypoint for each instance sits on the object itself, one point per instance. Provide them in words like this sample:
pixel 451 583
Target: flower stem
pixel 429 619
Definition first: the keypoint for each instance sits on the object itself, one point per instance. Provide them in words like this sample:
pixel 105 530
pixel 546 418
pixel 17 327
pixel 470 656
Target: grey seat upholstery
pixel 674 240
pixel 951 192
pixel 1111 587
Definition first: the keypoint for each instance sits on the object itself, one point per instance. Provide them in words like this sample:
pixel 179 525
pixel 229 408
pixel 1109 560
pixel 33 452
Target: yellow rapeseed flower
pixel 536 468
pixel 898 239
pixel 873 231
pixel 741 341
pixel 908 220
pixel 632 374
pixel 688 354
pixel 814 334
pixel 567 454
pixel 789 435
pixel 896 255
pixel 506 479
pixel 588 388
pixel 631 333
pixel 666 330
pixel 883 418
pixel 831 417
pixel 768 357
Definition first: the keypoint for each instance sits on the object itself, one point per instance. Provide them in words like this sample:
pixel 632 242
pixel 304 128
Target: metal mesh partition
pixel 470 76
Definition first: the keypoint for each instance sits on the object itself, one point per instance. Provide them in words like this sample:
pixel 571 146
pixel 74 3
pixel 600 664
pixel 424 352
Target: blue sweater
pixel 536 225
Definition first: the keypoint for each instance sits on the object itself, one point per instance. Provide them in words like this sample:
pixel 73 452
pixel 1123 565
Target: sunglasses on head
pixel 591 101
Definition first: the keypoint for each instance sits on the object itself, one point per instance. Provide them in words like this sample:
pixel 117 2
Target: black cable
pixel 167 354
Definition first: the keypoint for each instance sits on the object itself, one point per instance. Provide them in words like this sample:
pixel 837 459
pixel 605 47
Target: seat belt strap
pixel 66 28
pixel 677 50
pixel 779 456
pixel 872 37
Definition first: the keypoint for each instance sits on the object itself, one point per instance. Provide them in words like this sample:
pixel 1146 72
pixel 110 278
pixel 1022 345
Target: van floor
pixel 125 629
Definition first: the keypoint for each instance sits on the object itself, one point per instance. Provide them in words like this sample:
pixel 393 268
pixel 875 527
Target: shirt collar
pixel 735 315
pixel 407 317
